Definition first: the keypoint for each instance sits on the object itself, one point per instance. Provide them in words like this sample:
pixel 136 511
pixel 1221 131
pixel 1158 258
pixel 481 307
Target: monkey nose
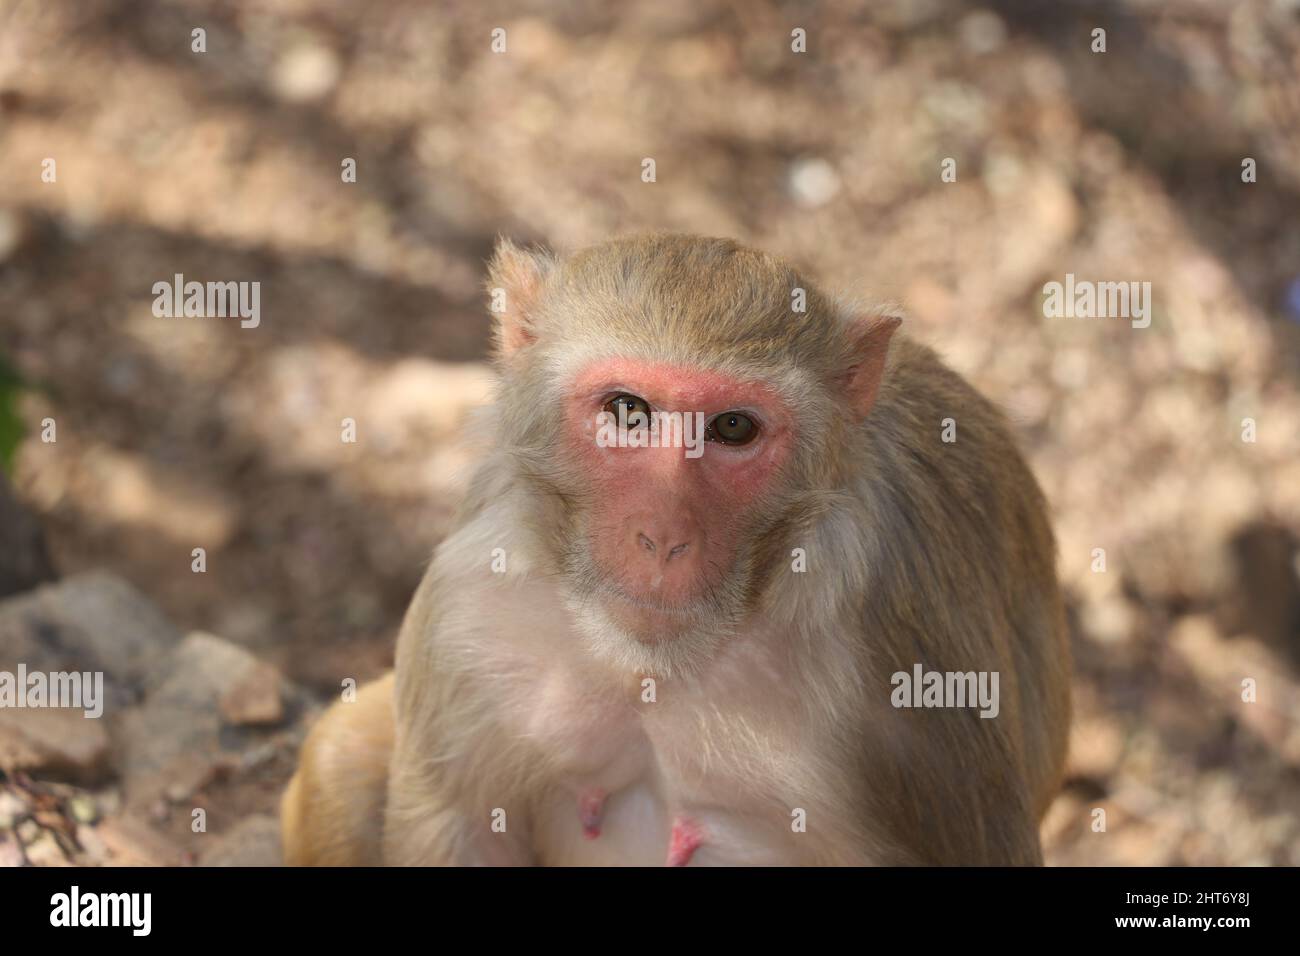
pixel 663 556
pixel 660 547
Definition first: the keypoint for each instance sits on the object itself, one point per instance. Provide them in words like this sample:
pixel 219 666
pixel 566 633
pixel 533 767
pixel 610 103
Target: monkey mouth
pixel 646 635
pixel 648 621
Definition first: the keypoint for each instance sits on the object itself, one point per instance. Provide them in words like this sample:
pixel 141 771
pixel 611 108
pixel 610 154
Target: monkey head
pixel 676 411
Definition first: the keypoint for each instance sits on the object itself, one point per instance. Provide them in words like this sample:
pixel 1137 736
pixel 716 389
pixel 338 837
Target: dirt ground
pixel 1125 165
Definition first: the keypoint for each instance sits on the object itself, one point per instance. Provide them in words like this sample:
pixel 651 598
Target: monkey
pixel 625 654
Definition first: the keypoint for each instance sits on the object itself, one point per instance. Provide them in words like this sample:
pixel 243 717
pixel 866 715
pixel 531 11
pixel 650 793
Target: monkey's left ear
pixel 515 280
pixel 870 337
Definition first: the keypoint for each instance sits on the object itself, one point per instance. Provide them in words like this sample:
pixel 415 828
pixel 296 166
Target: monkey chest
pixel 627 786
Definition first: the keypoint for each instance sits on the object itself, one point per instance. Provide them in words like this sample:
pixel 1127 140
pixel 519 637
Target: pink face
pixel 665 526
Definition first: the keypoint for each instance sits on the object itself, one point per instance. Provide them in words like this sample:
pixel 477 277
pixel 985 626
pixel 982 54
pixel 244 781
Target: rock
pixel 55 743
pixel 24 561
pixel 177 792
pixel 11 809
pixel 306 71
pixel 177 741
pixel 11 854
pixel 255 698
pixel 45 851
pixel 83 808
pixel 255 841
pixel 90 622
pixel 813 182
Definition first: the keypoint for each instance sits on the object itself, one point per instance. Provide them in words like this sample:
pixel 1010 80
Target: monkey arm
pixel 456 793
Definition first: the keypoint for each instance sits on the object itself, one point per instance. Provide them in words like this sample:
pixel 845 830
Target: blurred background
pixel 176 434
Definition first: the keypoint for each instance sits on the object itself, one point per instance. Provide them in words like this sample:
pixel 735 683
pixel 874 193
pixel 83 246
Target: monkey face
pixel 676 464
pixel 732 417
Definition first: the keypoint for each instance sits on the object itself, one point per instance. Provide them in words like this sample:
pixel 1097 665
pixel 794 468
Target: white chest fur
pixel 720 768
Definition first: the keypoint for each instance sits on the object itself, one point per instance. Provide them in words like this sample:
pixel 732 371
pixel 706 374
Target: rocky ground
pixel 176 435
pixel 198 735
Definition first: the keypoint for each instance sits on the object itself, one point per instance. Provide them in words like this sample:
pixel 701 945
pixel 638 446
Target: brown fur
pixel 332 813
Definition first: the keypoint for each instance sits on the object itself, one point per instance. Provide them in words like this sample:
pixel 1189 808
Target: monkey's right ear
pixel 870 337
pixel 515 280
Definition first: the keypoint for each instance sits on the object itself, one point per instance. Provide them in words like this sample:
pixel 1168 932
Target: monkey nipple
pixel 591 810
pixel 687 837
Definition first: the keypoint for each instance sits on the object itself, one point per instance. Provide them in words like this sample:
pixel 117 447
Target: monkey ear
pixel 870 337
pixel 515 280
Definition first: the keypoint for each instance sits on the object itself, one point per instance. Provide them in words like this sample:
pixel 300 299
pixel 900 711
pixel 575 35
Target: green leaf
pixel 11 425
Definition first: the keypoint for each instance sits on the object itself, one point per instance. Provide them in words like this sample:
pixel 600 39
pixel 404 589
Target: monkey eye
pixel 731 428
pixel 631 403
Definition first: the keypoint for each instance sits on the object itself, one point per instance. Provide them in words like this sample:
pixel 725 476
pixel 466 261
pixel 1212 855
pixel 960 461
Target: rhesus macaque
pixel 640 655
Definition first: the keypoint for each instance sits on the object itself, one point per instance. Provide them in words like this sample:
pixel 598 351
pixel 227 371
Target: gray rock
pixel 177 738
pixel 55 744
pixel 89 622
